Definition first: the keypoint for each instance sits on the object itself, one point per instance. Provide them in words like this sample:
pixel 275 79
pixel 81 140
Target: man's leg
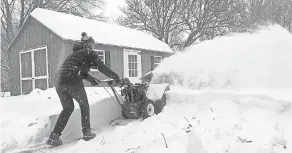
pixel 68 107
pixel 80 96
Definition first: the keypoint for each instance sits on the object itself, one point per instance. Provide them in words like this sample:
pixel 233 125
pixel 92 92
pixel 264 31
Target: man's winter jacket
pixel 77 65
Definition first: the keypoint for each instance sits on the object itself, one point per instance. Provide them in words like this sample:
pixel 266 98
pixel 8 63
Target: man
pixel 69 85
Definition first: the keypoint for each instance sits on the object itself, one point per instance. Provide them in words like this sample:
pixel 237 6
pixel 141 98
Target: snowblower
pixel 139 100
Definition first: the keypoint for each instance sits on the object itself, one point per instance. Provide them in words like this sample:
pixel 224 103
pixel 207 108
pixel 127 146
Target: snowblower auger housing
pixel 137 101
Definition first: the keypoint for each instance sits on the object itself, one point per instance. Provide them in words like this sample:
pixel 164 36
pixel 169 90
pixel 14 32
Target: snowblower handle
pixel 110 82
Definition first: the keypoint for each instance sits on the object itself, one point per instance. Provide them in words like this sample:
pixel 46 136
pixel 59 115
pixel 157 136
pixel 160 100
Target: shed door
pixel 132 65
pixel 33 69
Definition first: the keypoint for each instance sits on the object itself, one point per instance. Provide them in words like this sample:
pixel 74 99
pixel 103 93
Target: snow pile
pixel 261 59
pixel 28 119
pixel 70 27
pixel 4 94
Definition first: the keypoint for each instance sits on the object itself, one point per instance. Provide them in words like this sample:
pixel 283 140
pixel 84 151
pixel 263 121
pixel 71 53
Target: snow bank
pixel 261 59
pixel 208 121
pixel 28 119
pixel 4 94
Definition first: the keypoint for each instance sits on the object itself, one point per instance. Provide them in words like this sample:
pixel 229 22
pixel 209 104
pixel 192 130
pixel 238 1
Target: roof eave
pixel 30 16
pixel 72 40
pixel 25 21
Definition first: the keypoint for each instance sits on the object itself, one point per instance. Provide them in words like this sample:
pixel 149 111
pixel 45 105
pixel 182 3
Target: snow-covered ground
pixel 222 121
pixel 230 94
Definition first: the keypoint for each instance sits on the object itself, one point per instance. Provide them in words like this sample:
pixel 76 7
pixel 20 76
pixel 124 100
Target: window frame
pixel 155 64
pixel 133 69
pixel 33 78
pixel 139 64
pixel 103 60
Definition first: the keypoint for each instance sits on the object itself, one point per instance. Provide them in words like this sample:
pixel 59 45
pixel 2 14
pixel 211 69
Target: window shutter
pixel 107 59
pixel 152 63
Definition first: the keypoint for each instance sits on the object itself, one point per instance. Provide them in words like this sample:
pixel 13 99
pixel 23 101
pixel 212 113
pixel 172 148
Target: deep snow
pixel 221 120
pixel 28 119
pixel 243 105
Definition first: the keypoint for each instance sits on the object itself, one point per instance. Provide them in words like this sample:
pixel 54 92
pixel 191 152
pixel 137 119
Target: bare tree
pixel 206 19
pixel 270 11
pixel 14 13
pixel 173 20
pixel 158 17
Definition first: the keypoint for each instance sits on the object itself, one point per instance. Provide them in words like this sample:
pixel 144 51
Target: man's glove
pixel 118 81
pixel 94 82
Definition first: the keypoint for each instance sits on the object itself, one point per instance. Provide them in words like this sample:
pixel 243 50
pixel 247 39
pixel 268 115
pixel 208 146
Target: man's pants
pixel 66 94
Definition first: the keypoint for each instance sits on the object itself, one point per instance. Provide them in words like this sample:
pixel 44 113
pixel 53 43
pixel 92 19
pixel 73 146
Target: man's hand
pixel 94 82
pixel 118 81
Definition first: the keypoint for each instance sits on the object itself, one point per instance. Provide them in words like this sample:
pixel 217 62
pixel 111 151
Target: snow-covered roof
pixel 70 27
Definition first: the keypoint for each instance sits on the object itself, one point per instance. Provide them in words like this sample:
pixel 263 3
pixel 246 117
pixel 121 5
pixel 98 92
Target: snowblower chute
pixel 139 100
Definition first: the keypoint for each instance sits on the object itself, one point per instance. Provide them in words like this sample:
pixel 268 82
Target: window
pixel 133 65
pixel 33 69
pixel 157 61
pixel 101 55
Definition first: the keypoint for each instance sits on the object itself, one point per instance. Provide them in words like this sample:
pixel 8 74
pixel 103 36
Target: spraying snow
pixel 258 60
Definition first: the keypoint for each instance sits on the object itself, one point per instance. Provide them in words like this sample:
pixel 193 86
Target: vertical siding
pixel 116 58
pixel 146 59
pixel 116 61
pixel 33 35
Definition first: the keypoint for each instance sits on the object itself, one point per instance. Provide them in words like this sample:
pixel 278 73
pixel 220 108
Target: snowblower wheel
pixel 124 114
pixel 148 109
pixel 159 104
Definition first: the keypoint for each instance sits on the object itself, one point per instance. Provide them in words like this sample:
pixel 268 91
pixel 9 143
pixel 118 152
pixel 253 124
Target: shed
pixel 47 38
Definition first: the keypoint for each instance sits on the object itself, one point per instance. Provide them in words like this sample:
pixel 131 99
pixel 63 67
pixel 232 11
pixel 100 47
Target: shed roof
pixel 70 27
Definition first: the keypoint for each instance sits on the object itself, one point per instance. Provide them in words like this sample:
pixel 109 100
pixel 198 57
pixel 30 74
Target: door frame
pixel 139 63
pixel 33 77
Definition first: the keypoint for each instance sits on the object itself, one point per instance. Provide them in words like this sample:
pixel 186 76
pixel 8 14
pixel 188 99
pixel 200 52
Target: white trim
pixel 34 49
pixel 154 60
pixel 159 56
pixel 47 63
pixel 20 72
pixel 33 77
pixel 98 50
pixel 30 78
pixel 126 63
pixel 33 68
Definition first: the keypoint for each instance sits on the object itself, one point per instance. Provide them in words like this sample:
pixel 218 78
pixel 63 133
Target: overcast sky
pixel 112 8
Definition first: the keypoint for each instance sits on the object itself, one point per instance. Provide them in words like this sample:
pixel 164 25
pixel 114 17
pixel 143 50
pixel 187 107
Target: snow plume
pixel 261 59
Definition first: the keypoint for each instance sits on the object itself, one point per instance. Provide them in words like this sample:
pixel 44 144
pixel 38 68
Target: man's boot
pixel 54 140
pixel 88 135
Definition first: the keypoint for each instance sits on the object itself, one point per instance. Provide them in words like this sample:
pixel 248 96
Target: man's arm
pixel 103 68
pixel 89 78
pixel 106 71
